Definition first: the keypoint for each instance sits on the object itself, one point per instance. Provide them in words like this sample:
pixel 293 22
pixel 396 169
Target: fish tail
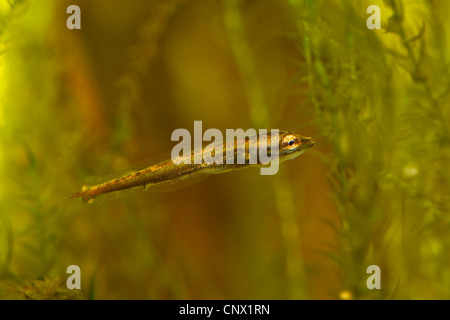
pixel 84 194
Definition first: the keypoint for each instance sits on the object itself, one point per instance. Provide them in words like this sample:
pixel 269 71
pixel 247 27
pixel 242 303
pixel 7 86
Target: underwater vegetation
pixel 79 105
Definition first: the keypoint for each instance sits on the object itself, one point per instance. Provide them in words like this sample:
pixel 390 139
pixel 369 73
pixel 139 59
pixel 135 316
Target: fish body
pixel 290 145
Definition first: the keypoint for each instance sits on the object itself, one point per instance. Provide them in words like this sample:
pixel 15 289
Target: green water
pixel 374 190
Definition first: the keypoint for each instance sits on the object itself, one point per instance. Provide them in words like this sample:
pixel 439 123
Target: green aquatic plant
pixel 384 122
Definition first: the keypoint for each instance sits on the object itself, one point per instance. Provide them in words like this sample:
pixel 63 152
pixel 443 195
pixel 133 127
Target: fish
pixel 290 146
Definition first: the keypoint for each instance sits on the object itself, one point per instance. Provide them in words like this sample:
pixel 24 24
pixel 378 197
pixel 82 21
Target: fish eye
pixel 290 142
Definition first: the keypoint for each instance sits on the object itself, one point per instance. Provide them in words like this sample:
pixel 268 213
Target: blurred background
pixel 374 190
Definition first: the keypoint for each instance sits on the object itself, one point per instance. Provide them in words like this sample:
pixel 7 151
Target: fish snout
pixel 308 141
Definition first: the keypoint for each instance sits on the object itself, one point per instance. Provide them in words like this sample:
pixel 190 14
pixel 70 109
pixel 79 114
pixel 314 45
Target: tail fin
pixel 84 194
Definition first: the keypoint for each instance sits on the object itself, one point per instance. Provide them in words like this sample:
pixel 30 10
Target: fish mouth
pixel 307 141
